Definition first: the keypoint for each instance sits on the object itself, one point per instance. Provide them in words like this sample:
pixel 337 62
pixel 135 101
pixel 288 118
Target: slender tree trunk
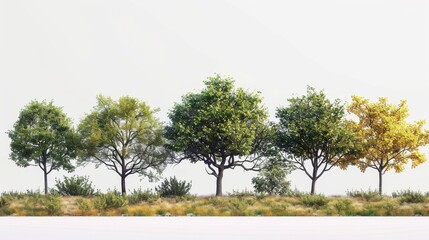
pixel 219 183
pixel 313 180
pixel 380 183
pixel 123 189
pixel 45 174
pixel 313 186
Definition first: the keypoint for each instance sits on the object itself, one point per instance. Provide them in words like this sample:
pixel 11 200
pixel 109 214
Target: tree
pixel 43 136
pixel 221 126
pixel 125 137
pixel 386 140
pixel 312 130
pixel 272 178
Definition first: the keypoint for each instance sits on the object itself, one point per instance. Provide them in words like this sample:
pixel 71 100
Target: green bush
pixel 52 204
pixel 110 200
pixel 343 206
pixel 173 187
pixel 83 205
pixel 271 179
pixel 75 186
pixel 4 201
pixel 389 207
pixel 138 196
pixel 241 194
pixel 369 195
pixel 161 212
pixel 409 196
pixel 314 201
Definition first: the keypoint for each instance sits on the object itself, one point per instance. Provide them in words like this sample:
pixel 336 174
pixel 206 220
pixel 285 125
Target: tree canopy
pixel 387 140
pixel 125 136
pixel 312 134
pixel 220 126
pixel 43 136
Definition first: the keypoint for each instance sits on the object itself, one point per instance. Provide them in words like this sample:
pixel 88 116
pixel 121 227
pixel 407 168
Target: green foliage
pixel 296 193
pixel 110 200
pixel 43 136
pixel 312 130
pixel 4 201
pixel 242 193
pixel 343 206
pixel 219 125
pixel 83 205
pixel 369 195
pixel 52 204
pixel 173 187
pixel 139 195
pixel 409 196
pixel 272 179
pixel 314 201
pixel 368 212
pixel 389 207
pixel 125 136
pixel 161 212
pixel 75 186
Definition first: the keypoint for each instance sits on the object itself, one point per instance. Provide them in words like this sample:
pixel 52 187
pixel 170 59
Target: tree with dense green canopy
pixel 220 126
pixel 43 136
pixel 125 136
pixel 313 135
pixel 387 140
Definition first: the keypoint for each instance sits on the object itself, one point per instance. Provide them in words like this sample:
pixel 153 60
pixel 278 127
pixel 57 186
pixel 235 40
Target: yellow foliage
pixel 387 140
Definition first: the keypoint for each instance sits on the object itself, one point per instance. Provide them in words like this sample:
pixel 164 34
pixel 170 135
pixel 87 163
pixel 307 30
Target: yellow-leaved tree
pixel 387 140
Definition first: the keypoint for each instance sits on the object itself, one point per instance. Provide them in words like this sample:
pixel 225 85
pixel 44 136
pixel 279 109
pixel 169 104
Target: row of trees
pixel 224 128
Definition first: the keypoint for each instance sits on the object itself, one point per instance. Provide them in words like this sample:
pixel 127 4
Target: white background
pixel 70 51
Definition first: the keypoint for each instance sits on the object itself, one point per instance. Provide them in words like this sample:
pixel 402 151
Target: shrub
pixel 75 186
pixel 343 206
pixel 83 205
pixel 4 201
pixel 409 196
pixel 161 212
pixel 314 201
pixel 237 207
pixel 240 194
pixel 272 179
pixel 139 195
pixel 369 195
pixel 389 207
pixel 110 200
pixel 173 187
pixel 52 204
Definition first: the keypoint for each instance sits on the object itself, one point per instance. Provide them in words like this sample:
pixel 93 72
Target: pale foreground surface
pixel 122 228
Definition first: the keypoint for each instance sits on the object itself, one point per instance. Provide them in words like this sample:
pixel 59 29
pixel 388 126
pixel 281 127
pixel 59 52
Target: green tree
pixel 272 178
pixel 387 140
pixel 124 136
pixel 313 135
pixel 43 136
pixel 221 126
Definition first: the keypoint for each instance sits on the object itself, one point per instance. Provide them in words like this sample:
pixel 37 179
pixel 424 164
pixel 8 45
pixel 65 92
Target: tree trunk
pixel 380 183
pixel 313 180
pixel 45 174
pixel 313 185
pixel 123 189
pixel 219 183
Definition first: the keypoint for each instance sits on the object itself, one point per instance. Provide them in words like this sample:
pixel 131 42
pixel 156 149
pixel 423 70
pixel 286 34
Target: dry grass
pixel 220 206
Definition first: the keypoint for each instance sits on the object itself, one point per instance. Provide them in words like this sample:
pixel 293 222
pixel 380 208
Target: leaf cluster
pixel 173 187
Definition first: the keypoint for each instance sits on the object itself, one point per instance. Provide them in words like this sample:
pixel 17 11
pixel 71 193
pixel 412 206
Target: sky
pixel 157 51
